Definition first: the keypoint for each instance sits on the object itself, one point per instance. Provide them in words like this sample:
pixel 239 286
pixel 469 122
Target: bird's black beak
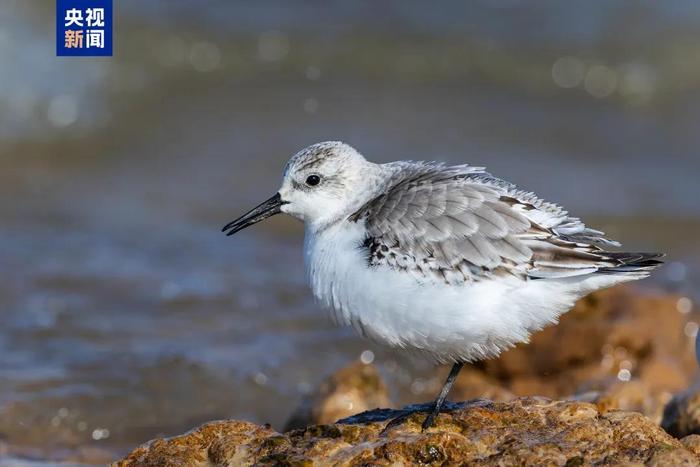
pixel 268 208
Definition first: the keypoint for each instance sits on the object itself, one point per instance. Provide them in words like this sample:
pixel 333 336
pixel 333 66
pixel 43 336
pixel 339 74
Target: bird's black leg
pixel 430 419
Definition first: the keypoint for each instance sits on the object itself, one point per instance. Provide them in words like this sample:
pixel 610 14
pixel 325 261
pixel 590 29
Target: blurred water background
pixel 126 314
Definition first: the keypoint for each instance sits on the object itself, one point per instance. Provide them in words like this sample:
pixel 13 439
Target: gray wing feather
pixel 462 222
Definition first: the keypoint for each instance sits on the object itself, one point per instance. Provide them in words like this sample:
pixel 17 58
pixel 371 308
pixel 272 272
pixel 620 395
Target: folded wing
pixel 459 224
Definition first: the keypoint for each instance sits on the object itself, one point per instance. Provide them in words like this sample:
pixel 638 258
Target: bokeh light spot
pixel 568 72
pixel 684 305
pixel 205 57
pixel 273 46
pixel 62 110
pixel 600 81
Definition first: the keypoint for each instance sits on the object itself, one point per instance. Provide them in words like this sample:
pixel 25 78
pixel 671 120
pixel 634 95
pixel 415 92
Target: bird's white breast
pixel 445 322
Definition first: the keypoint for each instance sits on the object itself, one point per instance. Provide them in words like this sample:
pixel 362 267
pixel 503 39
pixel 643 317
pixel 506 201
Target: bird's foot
pixel 430 419
pixel 431 410
pixel 396 421
pixel 398 417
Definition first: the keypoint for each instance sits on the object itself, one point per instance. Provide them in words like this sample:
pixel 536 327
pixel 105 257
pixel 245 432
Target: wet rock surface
pixel 524 431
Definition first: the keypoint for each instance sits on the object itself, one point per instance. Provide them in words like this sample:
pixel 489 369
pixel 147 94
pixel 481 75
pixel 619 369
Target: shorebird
pixel 448 262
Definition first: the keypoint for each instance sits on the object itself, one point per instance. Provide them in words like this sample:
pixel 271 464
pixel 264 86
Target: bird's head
pixel 321 183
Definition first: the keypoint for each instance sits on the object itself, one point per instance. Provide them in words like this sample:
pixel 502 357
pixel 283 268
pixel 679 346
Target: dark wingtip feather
pixel 633 262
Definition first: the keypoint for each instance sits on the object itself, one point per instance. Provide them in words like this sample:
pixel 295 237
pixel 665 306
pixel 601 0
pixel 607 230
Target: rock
pixel 675 457
pixel 692 443
pixel 627 348
pixel 213 440
pixel 524 431
pixel 355 388
pixel 634 396
pixel 682 415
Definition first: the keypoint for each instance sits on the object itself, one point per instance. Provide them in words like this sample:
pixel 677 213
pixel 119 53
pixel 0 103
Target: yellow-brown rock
pixel 626 348
pixel 525 431
pixel 355 388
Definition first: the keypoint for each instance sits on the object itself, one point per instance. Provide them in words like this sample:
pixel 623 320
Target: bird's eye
pixel 313 180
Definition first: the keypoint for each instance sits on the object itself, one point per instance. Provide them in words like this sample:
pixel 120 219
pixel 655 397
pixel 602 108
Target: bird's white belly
pixel 445 322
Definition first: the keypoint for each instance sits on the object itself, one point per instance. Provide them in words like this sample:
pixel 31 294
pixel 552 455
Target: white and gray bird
pixel 444 261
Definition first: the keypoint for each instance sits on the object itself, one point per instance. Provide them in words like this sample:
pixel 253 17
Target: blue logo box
pixel 84 28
